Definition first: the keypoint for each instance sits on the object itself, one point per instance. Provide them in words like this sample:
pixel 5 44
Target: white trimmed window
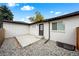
pixel 58 26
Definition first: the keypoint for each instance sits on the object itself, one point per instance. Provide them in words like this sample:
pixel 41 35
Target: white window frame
pixel 57 29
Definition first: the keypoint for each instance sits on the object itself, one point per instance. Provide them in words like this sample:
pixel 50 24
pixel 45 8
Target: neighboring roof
pixel 47 20
pixel 17 22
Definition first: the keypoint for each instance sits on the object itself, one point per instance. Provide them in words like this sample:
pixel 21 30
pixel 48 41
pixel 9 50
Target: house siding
pixel 12 30
pixel 69 35
pixel 34 29
pixel 46 30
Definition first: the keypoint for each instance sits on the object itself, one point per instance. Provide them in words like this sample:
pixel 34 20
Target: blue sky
pixel 22 11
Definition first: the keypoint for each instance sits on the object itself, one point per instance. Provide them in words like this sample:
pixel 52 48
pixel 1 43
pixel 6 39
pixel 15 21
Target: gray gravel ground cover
pixel 38 49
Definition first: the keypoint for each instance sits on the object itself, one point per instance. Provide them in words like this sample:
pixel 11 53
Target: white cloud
pixel 56 13
pixel 12 4
pixel 51 11
pixel 27 7
pixel 26 19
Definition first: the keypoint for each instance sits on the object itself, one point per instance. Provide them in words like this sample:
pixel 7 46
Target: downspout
pixel 48 34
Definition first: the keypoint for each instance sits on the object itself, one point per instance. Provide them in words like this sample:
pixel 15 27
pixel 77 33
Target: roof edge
pixel 47 20
pixel 17 22
pixel 60 17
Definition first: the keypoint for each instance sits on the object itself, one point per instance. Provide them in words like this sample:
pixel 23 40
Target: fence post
pixel 77 38
pixel 1 24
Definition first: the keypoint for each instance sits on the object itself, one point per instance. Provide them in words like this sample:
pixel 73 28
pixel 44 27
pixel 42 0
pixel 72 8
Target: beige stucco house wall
pixel 67 36
pixel 12 29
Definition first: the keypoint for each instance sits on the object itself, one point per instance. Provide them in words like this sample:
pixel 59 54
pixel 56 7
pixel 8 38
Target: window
pixel 54 26
pixel 58 26
pixel 41 26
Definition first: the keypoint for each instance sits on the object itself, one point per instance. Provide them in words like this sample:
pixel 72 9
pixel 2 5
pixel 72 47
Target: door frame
pixel 42 30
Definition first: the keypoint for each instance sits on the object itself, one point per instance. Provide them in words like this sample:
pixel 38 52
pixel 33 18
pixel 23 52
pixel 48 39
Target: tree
pixel 31 19
pixel 5 13
pixel 37 18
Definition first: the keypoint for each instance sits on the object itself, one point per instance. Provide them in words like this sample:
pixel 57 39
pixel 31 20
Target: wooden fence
pixel 1 36
pixel 77 38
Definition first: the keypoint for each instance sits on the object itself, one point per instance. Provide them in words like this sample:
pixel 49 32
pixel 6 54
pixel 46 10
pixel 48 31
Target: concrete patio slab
pixel 26 40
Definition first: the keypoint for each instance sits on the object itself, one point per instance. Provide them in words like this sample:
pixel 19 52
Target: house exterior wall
pixel 12 30
pixel 69 35
pixel 46 30
pixel 34 29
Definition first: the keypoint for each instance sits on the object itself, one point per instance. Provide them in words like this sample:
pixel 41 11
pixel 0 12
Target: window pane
pixel 60 26
pixel 54 26
pixel 41 27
